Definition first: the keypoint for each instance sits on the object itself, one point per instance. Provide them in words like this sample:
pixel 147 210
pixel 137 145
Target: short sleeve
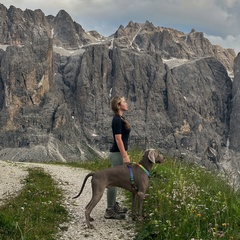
pixel 117 126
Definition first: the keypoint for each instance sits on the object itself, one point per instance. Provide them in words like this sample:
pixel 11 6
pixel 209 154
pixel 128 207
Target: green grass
pixel 98 164
pixel 92 165
pixel 36 212
pixel 186 202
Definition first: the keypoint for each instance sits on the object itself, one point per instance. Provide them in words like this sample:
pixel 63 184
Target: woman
pixel 118 153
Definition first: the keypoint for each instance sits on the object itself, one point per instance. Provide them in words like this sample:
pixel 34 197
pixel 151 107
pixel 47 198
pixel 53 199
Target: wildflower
pixel 199 215
pixel 224 224
pixel 168 222
pixel 221 234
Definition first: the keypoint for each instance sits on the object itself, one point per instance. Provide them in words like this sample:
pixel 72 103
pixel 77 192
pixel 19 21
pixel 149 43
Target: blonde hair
pixel 114 106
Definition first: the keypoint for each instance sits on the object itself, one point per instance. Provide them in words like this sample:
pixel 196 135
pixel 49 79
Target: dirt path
pixel 70 180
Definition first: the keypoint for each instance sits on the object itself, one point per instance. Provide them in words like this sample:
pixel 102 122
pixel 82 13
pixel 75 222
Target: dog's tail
pixel 83 185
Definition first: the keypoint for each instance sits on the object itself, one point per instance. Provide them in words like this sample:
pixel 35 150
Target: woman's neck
pixel 120 113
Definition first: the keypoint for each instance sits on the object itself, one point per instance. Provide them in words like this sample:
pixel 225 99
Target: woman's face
pixel 123 106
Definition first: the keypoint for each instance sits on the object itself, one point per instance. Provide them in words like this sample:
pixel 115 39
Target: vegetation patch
pixel 101 163
pixel 36 213
pixel 93 165
pixel 188 202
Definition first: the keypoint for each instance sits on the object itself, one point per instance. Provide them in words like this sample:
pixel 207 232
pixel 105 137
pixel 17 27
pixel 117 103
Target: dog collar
pixel 144 169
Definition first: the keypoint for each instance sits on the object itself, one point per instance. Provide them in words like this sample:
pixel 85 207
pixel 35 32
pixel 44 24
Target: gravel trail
pixel 69 179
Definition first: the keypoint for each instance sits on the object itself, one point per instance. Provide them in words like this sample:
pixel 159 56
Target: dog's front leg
pixel 140 202
pixel 134 206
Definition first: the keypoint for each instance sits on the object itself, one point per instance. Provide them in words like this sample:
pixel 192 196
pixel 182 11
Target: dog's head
pixel 154 156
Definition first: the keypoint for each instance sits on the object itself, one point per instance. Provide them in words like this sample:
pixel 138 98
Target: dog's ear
pixel 152 155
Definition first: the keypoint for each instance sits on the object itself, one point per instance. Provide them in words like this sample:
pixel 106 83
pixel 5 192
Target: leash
pixel 134 187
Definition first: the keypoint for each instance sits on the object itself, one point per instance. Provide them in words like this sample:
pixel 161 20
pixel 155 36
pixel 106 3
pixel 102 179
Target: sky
pixel 217 19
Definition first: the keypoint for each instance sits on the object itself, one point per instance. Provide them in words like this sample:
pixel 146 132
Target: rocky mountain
pixel 57 80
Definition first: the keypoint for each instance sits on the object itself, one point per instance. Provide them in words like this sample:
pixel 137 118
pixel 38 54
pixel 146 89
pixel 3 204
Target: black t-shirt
pixel 118 127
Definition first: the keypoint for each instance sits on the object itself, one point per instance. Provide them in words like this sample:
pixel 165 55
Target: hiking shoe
pixel 110 214
pixel 118 209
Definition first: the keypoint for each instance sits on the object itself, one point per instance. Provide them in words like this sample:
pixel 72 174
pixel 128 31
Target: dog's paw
pixel 90 226
pixel 133 216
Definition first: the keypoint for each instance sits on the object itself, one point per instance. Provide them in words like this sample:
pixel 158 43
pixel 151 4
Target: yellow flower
pixel 224 224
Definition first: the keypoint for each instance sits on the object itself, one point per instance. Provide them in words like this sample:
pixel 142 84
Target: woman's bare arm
pixel 118 138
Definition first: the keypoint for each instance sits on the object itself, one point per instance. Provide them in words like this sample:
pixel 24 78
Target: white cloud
pixel 213 17
pixel 227 42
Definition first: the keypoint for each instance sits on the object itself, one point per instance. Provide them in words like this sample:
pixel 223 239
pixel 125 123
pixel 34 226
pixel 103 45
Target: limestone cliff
pixel 56 82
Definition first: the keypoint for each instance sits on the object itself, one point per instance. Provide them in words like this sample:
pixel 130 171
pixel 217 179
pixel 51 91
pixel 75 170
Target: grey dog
pixel 119 176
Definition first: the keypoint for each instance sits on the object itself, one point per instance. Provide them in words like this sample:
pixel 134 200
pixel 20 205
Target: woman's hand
pixel 126 159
